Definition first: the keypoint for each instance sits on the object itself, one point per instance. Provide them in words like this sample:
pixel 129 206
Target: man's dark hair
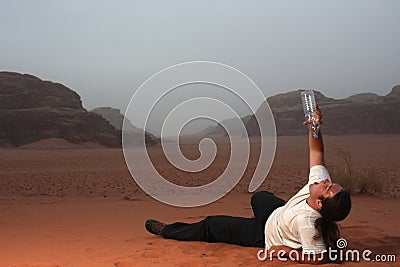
pixel 336 208
pixel 333 209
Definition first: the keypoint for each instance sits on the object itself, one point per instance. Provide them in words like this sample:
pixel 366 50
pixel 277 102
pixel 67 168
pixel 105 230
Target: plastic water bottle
pixel 309 107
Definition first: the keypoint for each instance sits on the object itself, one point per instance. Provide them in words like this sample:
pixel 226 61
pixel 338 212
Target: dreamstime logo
pixel 341 243
pixel 334 255
pixel 168 82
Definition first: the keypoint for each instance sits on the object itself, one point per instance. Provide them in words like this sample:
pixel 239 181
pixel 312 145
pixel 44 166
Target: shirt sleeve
pixel 307 231
pixel 309 244
pixel 318 173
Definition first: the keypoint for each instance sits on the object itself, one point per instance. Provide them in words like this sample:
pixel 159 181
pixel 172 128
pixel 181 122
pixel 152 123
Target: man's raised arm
pixel 316 144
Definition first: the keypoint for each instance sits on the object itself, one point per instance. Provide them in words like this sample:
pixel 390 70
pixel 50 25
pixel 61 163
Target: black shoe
pixel 154 227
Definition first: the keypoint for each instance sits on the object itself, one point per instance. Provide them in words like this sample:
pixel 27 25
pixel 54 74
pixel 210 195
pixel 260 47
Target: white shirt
pixel 292 225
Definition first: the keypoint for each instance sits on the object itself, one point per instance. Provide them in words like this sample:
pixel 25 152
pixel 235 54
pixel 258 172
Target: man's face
pixel 325 189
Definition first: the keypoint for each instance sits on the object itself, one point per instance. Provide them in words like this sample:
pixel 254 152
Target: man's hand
pixel 317 116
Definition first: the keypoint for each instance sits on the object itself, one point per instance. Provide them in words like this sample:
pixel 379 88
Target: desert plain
pixel 77 205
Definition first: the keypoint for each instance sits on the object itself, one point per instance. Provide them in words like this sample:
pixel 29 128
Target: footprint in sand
pixel 384 245
pixel 372 238
pixel 152 254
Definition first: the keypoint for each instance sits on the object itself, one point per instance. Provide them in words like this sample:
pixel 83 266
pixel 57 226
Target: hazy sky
pixel 105 49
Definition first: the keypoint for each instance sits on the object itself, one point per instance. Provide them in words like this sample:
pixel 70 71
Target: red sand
pixel 80 207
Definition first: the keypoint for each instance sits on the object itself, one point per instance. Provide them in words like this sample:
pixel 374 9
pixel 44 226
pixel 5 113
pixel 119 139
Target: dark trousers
pixel 247 232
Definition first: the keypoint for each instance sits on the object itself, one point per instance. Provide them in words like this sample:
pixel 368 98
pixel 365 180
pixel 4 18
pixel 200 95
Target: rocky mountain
pixel 116 119
pixel 363 97
pixel 361 113
pixel 33 109
pixel 219 130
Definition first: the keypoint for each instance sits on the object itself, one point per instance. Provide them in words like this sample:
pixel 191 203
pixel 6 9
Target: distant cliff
pixel 116 119
pixel 32 109
pixel 362 113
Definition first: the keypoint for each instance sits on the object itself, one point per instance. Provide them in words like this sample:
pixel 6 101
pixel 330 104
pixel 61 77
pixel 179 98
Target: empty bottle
pixel 309 107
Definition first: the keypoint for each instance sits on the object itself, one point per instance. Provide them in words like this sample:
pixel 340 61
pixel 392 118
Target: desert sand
pixel 69 205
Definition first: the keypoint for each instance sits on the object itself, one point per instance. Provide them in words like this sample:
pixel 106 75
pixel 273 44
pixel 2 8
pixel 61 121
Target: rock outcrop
pixel 116 119
pixel 362 113
pixel 32 109
pixel 365 113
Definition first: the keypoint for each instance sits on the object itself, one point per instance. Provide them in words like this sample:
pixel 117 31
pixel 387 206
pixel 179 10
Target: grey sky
pixel 105 49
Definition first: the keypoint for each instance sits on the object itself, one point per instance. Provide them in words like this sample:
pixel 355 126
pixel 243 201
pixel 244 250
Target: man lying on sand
pixel 305 223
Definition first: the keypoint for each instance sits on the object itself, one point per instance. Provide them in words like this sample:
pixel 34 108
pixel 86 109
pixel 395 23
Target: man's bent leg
pixel 226 229
pixel 264 203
